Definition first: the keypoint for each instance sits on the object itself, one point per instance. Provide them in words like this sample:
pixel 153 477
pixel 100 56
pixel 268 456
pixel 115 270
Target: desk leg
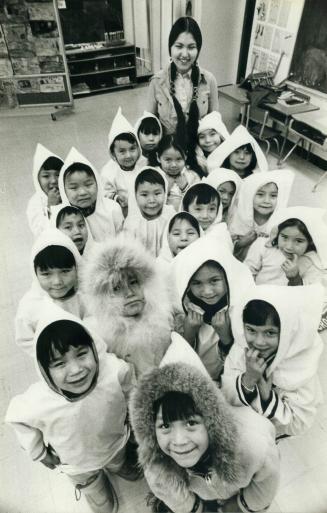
pixel 281 160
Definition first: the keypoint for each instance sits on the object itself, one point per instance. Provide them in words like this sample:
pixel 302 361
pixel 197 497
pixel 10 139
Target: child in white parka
pixel 272 366
pixel 80 186
pixel 46 168
pixel 74 417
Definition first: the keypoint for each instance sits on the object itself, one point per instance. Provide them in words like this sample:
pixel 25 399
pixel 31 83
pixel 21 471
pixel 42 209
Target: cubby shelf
pixel 85 71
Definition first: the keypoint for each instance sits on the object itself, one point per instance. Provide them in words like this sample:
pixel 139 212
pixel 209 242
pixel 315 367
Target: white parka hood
pixel 239 137
pixel 40 156
pixel 315 221
pixel 52 315
pixel 299 309
pixel 222 175
pixel 214 121
pixel 120 125
pixel 188 261
pixel 52 237
pixel 146 115
pixel 243 220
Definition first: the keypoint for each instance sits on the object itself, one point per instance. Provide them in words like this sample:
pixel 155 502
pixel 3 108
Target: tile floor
pixel 27 487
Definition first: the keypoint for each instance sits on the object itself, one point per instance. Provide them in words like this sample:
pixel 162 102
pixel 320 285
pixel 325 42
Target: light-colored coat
pixel 44 415
pixel 245 460
pixel 296 387
pixel 161 103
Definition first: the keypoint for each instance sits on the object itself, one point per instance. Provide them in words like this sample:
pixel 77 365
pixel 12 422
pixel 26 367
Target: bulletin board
pixel 274 30
pixel 309 63
pixel 33 68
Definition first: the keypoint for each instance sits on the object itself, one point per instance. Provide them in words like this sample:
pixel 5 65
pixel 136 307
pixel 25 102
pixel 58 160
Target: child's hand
pixel 221 324
pixel 181 182
pixel 194 315
pixel 265 386
pixel 290 267
pixel 247 239
pixel 255 367
pixel 54 197
pixel 122 200
pixel 50 460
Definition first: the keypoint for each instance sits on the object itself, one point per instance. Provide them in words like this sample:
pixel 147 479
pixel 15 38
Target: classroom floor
pixel 28 487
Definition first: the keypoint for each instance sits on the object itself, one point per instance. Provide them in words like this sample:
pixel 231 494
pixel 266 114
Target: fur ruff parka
pixel 245 460
pixel 141 340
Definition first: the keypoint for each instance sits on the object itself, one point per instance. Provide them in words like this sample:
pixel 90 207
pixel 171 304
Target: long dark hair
pixel 186 133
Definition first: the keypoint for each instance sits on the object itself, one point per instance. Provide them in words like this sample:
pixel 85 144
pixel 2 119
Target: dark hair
pixel 258 312
pixel 175 406
pixel 201 193
pixel 253 161
pixel 53 257
pixel 79 167
pixel 58 336
pixel 151 176
pixel 302 228
pixel 66 211
pixel 185 24
pixel 124 136
pixel 186 133
pixel 187 217
pixel 149 125
pixel 170 141
pixel 52 163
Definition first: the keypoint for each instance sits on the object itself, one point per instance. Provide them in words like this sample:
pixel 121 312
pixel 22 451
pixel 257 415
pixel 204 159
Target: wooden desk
pixel 284 114
pixel 310 127
pixel 237 95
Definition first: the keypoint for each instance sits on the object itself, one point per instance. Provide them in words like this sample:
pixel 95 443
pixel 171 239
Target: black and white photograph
pixel 164 274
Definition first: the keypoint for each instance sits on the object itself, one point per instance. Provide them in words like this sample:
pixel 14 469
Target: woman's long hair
pixel 186 132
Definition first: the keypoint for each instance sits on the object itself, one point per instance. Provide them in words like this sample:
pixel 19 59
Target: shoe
pixel 100 495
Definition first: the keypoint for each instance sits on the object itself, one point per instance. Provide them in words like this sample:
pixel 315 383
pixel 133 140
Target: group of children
pixel 169 291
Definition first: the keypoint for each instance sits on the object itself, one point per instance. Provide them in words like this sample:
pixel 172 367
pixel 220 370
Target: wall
pixel 221 24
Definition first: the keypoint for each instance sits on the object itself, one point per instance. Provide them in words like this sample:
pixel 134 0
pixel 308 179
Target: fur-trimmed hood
pixel 143 339
pixel 192 379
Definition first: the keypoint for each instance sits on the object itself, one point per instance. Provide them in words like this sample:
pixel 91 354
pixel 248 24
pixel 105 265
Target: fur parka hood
pixel 184 374
pixel 128 337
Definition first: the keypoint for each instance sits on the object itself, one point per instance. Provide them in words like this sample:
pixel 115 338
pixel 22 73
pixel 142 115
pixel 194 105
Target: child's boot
pixel 100 495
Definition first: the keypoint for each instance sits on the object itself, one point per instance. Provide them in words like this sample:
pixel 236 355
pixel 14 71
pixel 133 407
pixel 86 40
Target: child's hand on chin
pixel 181 182
pixel 221 324
pixel 53 197
pixel 290 267
pixel 50 460
pixel 122 200
pixel 194 315
pixel 255 367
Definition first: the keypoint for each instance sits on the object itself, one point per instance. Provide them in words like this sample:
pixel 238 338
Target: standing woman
pixel 183 93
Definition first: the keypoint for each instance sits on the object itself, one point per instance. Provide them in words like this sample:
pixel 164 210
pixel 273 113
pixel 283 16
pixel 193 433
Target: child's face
pixel 240 159
pixel 73 371
pixel 172 162
pixel 126 154
pixel 226 192
pixel 81 189
pixel 133 295
pixel 204 213
pixel 185 441
pixel 48 180
pixel 208 284
pixel 291 241
pixel 150 198
pixel 264 339
pixel 149 142
pixel 181 235
pixel 265 199
pixel 209 140
pixel 57 282
pixel 75 227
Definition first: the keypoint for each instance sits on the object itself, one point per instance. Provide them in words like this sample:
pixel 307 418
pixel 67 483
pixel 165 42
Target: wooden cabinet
pixel 96 67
